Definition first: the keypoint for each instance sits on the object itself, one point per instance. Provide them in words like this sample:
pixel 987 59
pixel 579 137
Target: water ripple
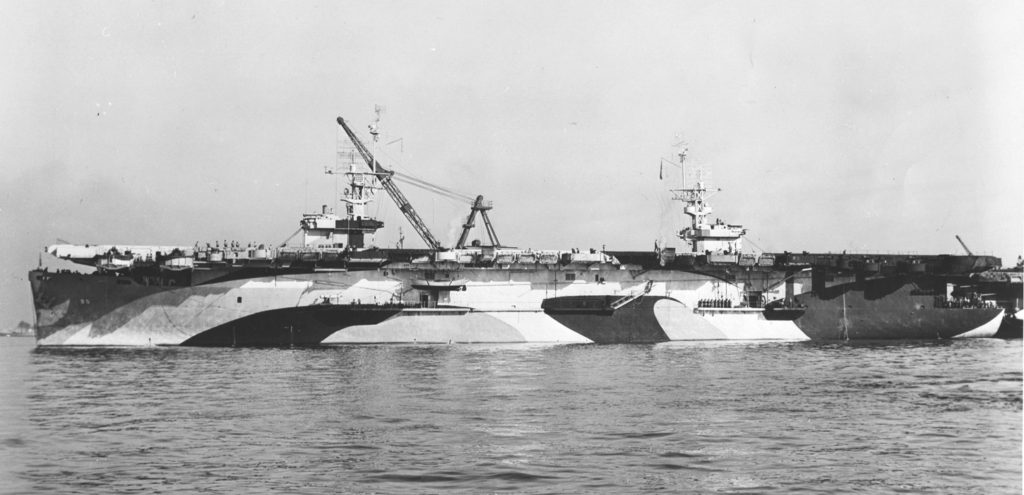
pixel 781 417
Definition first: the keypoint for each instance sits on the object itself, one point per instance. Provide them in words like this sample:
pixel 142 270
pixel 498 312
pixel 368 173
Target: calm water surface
pixel 940 417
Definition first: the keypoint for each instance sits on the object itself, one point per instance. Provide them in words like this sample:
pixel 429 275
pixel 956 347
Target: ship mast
pixel 375 132
pixel 385 178
pixel 357 225
pixel 704 237
pixel 387 182
pixel 355 230
pixel 694 198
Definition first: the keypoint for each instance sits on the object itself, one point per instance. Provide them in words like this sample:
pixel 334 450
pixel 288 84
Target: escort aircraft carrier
pixel 337 287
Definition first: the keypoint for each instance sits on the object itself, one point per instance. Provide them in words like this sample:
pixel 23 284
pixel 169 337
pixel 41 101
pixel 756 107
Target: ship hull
pixel 1012 327
pixel 553 304
pixel 290 327
pixel 652 319
pixel 325 308
pixel 889 308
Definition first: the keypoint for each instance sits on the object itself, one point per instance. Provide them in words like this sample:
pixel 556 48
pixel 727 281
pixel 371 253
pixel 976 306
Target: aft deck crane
pixel 481 206
pixel 385 177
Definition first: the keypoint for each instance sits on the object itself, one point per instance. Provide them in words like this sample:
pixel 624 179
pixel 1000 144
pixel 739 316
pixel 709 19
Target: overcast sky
pixel 865 126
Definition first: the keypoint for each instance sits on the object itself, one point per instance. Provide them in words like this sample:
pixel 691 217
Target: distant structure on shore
pixel 22 329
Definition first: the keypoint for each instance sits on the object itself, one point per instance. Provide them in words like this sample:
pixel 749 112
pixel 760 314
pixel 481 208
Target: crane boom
pixel 388 184
pixel 961 241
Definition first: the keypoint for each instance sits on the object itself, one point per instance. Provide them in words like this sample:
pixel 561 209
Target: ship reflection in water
pixel 697 417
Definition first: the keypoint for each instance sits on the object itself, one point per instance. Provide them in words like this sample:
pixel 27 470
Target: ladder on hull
pixel 624 300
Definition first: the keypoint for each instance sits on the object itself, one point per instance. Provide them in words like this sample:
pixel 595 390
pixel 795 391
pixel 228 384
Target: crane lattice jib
pixel 384 176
